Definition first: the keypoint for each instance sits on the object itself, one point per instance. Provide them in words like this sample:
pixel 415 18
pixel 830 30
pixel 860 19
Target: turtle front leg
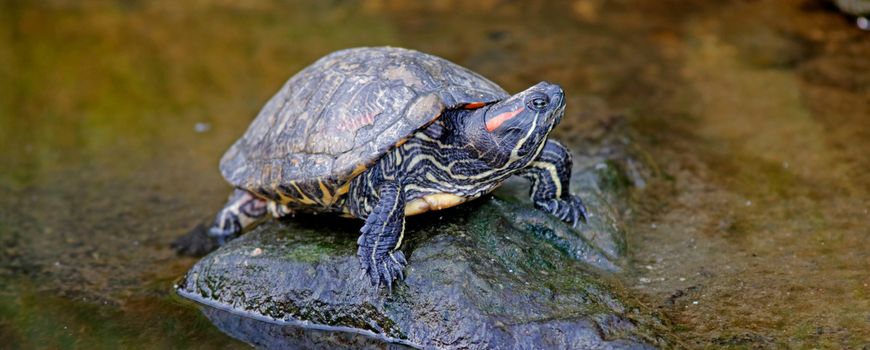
pixel 381 237
pixel 550 175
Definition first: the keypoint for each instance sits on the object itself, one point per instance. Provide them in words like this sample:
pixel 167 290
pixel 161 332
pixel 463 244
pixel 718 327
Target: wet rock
pixel 838 72
pixel 493 273
pixel 854 7
pixel 269 334
pixel 765 47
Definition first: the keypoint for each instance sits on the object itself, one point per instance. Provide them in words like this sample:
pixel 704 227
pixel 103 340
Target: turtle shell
pixel 336 117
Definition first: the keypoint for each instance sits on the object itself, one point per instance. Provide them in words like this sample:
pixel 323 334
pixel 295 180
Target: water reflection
pixel 271 334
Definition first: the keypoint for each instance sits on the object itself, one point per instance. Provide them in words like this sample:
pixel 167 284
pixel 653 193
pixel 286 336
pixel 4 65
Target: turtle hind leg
pixel 196 242
pixel 381 237
pixel 241 212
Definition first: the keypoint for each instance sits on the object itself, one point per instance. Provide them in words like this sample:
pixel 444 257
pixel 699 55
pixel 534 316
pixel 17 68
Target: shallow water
pixel 753 233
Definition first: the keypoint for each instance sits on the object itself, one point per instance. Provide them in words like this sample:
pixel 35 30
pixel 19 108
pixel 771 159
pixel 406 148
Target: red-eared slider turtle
pixel 383 133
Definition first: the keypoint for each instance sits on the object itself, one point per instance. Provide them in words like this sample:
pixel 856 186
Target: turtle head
pixel 511 132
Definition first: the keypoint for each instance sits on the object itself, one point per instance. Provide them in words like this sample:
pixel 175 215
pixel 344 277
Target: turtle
pixel 383 133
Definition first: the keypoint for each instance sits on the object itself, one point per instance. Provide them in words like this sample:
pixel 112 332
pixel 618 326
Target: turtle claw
pixel 385 269
pixel 398 266
pixel 384 274
pixel 579 212
pixel 584 213
pixel 570 210
pixel 399 258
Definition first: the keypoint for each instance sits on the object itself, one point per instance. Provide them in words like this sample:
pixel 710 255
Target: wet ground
pixel 753 233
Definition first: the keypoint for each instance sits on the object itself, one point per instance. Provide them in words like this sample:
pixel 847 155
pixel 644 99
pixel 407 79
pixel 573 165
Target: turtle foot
pixel 385 268
pixel 570 209
pixel 196 243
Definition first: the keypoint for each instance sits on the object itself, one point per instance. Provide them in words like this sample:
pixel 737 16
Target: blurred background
pixel 114 114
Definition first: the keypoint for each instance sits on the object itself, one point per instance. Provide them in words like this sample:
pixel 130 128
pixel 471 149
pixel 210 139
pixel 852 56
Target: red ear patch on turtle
pixel 473 105
pixel 496 121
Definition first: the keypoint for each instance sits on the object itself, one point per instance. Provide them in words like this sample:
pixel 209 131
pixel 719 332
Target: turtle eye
pixel 539 103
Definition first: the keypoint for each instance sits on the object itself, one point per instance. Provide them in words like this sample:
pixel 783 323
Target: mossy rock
pixel 492 273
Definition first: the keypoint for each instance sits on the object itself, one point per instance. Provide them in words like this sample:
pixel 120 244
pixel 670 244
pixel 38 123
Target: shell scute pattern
pixel 341 114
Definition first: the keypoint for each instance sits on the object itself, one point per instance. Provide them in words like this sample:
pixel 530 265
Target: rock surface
pixel 854 7
pixel 493 273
